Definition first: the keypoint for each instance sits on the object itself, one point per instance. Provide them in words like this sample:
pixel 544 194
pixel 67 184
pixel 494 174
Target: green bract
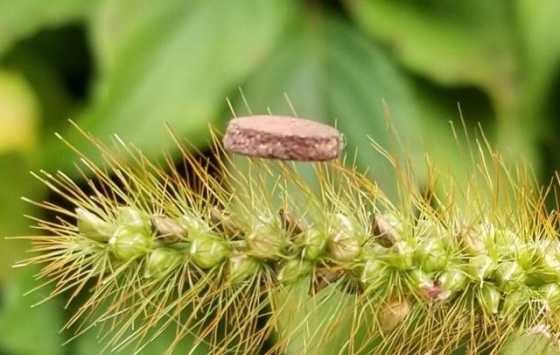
pixel 242 267
pixel 208 250
pixel 130 243
pixel 345 242
pixel 489 298
pixel 133 219
pixel 315 243
pixel 162 261
pixel 93 227
pixel 266 241
pixel 293 270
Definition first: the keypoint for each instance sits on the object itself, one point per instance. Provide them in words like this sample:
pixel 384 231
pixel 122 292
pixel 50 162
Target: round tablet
pixel 284 138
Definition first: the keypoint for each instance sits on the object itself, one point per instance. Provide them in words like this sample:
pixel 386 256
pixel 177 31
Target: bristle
pixel 257 256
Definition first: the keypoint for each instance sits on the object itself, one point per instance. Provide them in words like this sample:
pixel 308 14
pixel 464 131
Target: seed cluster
pixel 503 271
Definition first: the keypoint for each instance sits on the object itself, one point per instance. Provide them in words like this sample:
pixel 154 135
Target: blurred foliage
pixel 130 66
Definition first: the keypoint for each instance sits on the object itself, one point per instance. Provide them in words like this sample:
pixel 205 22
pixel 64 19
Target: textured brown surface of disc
pixel 284 138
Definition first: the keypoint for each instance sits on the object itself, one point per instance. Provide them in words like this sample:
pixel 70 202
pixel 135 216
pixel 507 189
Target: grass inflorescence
pixel 260 260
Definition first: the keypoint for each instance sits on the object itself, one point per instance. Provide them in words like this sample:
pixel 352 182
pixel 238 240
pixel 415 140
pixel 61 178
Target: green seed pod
pixel 420 279
pixel 208 250
pixel 315 244
pixel 387 229
pixel 241 267
pixel 293 270
pixel 93 227
pixel 193 224
pixel 551 294
pixel 481 267
pixel 506 243
pixel 510 275
pixel 129 243
pixel 167 229
pixel 392 314
pixel 161 261
pixel 545 266
pixel 345 243
pixel 472 239
pixel 426 287
pixel 133 219
pixel 551 267
pixel 373 270
pixel 489 298
pixel 266 242
pixel 400 256
pixel 515 300
pixel 453 280
pixel 432 255
pixel 526 256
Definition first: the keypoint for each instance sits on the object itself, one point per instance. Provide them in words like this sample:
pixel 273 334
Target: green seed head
pixel 133 219
pixel 167 229
pixel 129 243
pixel 544 266
pixel 93 227
pixel 293 270
pixel 489 298
pixel 372 270
pixel 427 287
pixel 421 279
pixel 510 275
pixel 387 229
pixel 453 280
pixel 266 241
pixel 315 243
pixel 472 239
pixel 481 267
pixel 507 243
pixel 400 256
pixel 193 224
pixel 432 255
pixel 161 261
pixel 515 300
pixel 208 250
pixel 241 267
pixel 551 295
pixel 345 243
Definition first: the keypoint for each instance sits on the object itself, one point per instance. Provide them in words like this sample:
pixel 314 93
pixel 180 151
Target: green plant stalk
pixel 470 267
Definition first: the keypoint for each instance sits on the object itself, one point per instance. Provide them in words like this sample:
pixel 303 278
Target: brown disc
pixel 284 138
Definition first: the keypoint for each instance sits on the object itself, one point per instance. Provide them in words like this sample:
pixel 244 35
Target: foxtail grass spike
pixel 264 261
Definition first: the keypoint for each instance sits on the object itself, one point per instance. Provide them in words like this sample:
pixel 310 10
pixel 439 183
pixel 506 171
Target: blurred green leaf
pixel 18 123
pixel 19 115
pixel 179 73
pixel 24 17
pixel 541 344
pixel 26 330
pixel 539 30
pixel 453 42
pixel 15 182
pixel 89 344
pixel 464 43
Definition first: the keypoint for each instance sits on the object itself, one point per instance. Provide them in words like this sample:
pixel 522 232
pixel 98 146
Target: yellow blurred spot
pixel 19 112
